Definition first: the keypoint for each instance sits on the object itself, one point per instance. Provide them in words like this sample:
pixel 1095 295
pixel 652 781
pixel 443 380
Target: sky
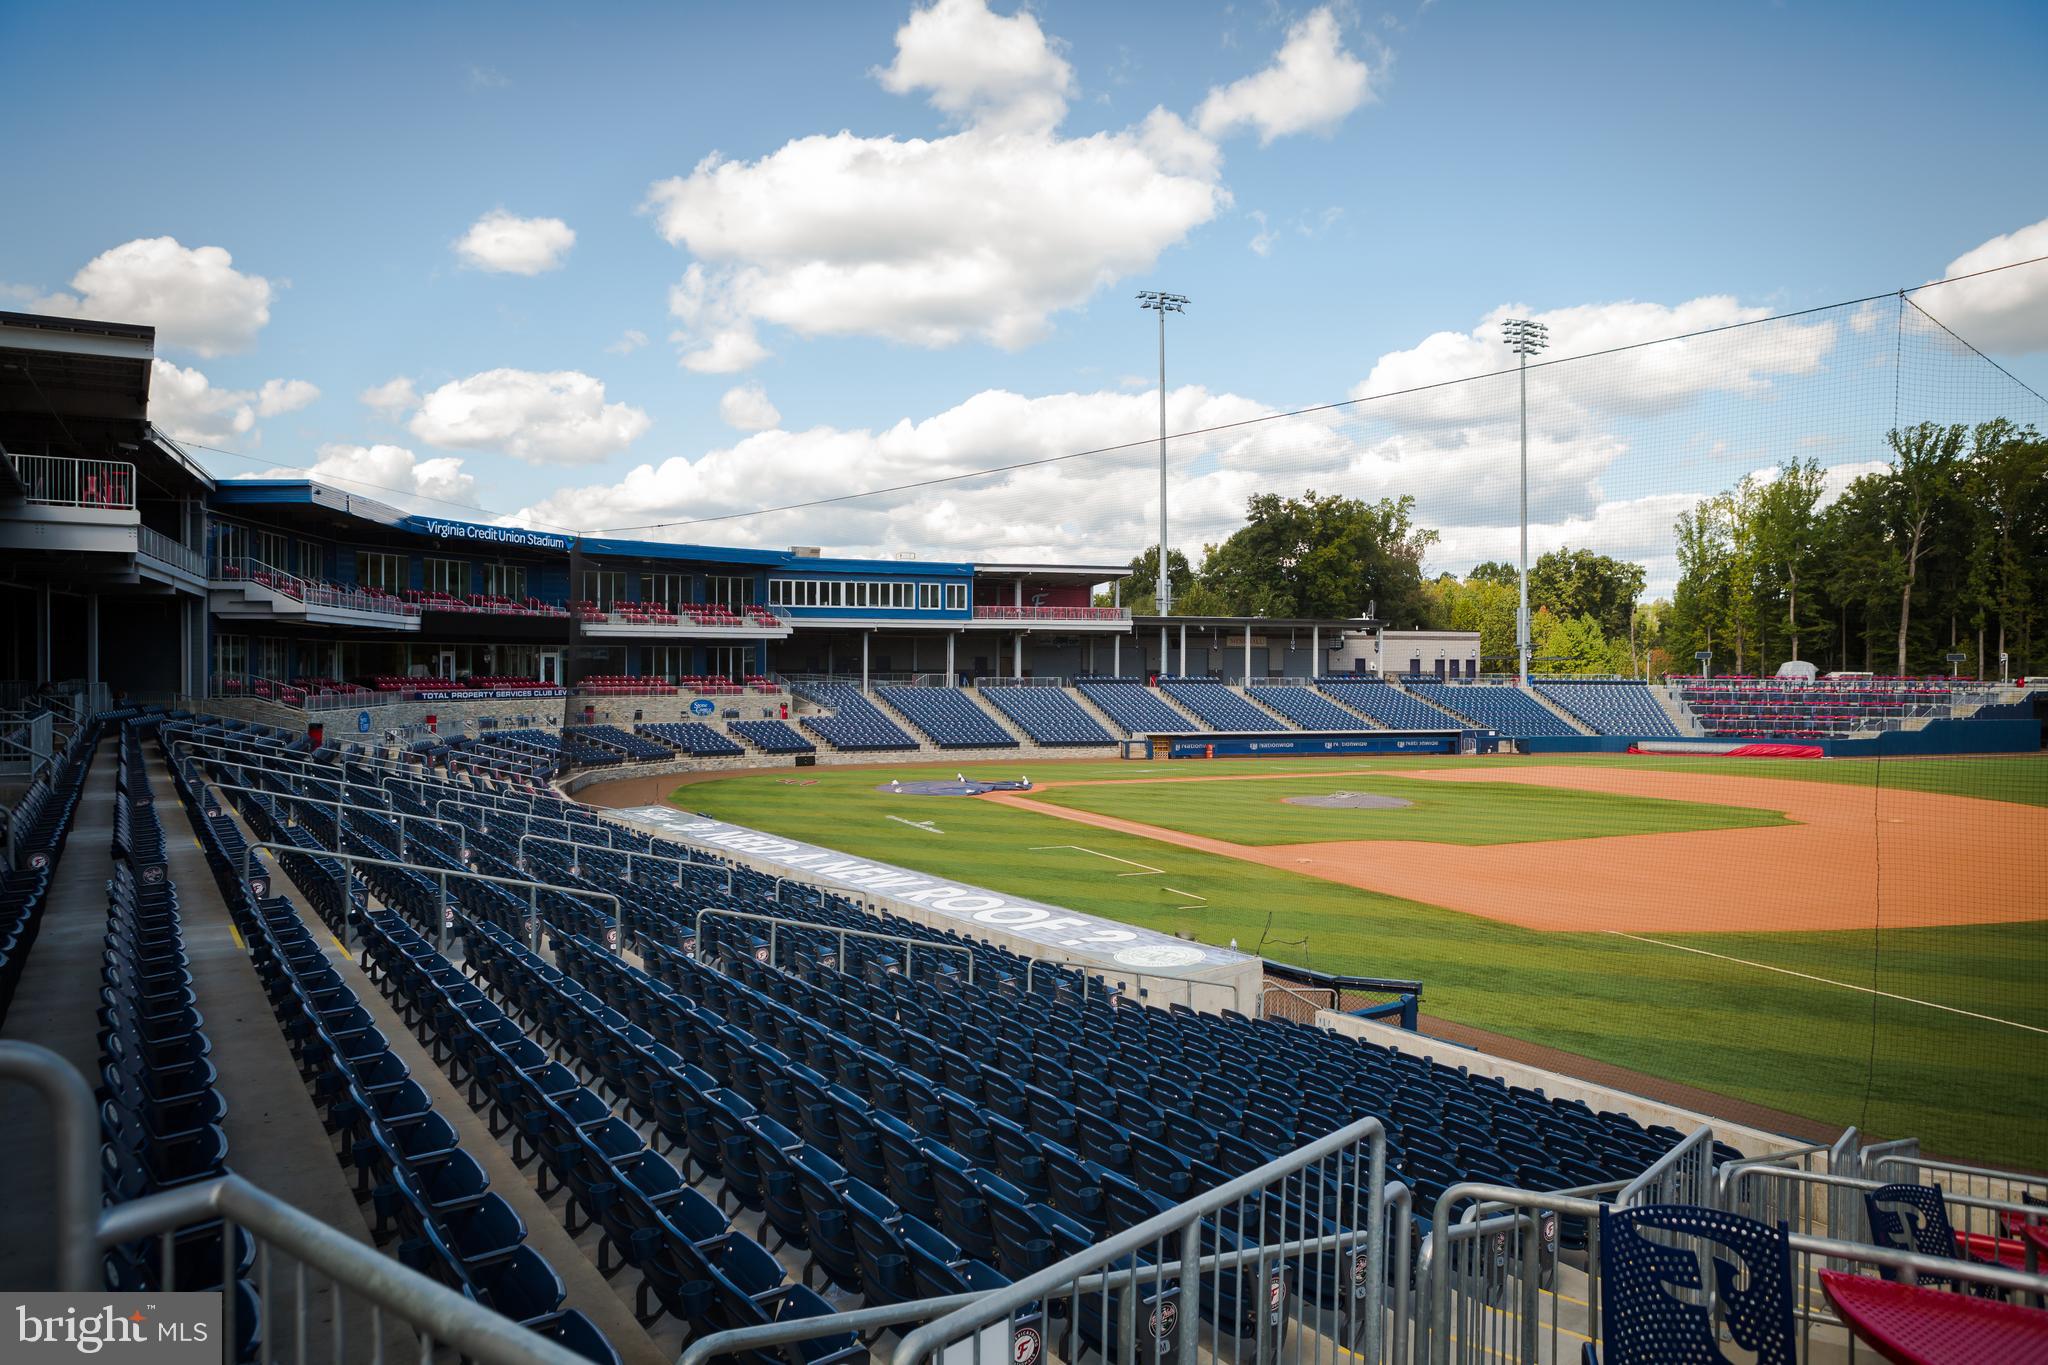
pixel 607 267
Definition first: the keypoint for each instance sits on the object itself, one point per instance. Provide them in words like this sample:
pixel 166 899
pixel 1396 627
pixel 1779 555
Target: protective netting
pixel 1828 942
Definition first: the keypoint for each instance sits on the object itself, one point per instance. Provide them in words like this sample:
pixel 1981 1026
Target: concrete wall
pixel 1750 1141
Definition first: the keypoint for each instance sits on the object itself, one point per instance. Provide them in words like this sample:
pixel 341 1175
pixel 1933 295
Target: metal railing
pixel 62 481
pixel 244 571
pixel 1683 1175
pixel 629 854
pixel 776 923
pixel 75 1139
pixel 1285 1262
pixel 342 808
pixel 259 887
pixel 25 743
pixel 1954 1177
pixel 1493 1286
pixel 171 551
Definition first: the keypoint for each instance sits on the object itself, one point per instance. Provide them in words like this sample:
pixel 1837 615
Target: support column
pixel 1116 656
pixel 1184 650
pixel 1247 654
pixel 1017 596
pixel 864 661
pixel 1165 655
pixel 1315 652
pixel 1017 660
pixel 952 673
pixel 43 641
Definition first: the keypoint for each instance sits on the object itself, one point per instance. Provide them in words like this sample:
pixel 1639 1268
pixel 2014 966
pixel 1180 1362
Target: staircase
pixel 1251 695
pixel 1681 714
pixel 1567 717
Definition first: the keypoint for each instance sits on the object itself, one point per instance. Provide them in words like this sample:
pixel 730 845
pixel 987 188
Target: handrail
pixel 477 1332
pixel 265 747
pixel 247 570
pixel 222 757
pixel 76 1119
pixel 341 821
pixel 1669 1165
pixel 1184 1221
pixel 532 888
pixel 67 481
pixel 775 922
pixel 629 853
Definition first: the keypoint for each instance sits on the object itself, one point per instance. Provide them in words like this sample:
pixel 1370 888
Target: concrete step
pixel 1567 717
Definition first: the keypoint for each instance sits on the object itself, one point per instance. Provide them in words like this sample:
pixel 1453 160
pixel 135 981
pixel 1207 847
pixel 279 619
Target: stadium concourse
pixel 396 1047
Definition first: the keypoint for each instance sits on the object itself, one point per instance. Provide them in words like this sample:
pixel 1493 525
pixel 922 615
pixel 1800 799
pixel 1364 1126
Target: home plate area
pixel 1351 801
pixel 959 786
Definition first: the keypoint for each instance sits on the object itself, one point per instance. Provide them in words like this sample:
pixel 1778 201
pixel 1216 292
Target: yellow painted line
pixel 236 935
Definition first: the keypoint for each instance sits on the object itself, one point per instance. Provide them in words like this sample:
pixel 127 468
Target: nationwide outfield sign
pixel 1072 933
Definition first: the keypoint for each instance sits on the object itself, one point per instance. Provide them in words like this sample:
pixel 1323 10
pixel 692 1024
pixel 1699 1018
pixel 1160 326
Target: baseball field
pixel 1796 944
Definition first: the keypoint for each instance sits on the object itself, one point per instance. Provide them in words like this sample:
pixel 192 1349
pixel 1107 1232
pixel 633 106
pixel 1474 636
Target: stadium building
pixel 295 869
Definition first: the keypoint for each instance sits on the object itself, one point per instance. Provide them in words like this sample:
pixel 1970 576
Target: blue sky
pixel 1411 169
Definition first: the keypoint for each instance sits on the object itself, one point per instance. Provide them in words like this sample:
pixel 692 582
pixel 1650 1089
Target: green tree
pixel 1575 583
pixel 1571 644
pixel 1477 604
pixel 1785 523
pixel 2007 488
pixel 1922 475
pixel 1322 556
pixel 1494 571
pixel 1139 589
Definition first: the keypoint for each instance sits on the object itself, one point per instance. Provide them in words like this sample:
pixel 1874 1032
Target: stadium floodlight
pixel 1524 338
pixel 1163 304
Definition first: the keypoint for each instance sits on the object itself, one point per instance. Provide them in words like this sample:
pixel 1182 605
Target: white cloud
pixel 488 78
pixel 983 68
pixel 185 404
pixel 386 472
pixel 1310 87
pixel 1262 240
pixel 933 241
pixel 392 399
pixel 2005 312
pixel 193 296
pixel 510 245
pixel 727 351
pixel 279 396
pixel 559 417
pixel 630 340
pixel 746 408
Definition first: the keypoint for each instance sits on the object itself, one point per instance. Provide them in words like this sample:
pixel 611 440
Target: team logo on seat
pixel 1361 1275
pixel 1026 1346
pixel 1165 1317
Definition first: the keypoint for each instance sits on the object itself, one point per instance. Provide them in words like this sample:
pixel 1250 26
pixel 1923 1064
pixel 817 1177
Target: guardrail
pixel 1285 1262
pixel 25 743
pixel 157 545
pixel 240 571
pixel 63 481
pixel 776 923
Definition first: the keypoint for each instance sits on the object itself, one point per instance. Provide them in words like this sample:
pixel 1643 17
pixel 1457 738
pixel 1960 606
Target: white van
pixel 1798 670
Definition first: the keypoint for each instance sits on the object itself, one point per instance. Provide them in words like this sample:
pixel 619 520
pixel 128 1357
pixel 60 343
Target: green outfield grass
pixel 1438 812
pixel 1965 1086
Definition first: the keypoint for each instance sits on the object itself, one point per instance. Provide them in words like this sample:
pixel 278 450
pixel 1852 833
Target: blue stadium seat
pixel 856 724
pixel 948 717
pixel 1047 714
pixel 1610 708
pixel 1134 706
pixel 1218 705
pixel 1373 696
pixel 1494 706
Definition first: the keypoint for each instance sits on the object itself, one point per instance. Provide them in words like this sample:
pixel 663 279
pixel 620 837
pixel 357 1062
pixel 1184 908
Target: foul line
pixel 1150 871
pixel 1829 981
pixel 927 826
pixel 1189 894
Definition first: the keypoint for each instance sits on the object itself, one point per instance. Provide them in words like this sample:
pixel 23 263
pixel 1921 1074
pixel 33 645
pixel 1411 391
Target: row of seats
pixel 771 736
pixel 1218 705
pixel 1308 709
pixel 431 1199
pixel 1134 706
pixel 1374 697
pixel 1611 708
pixel 39 826
pixel 625 685
pixel 856 723
pixel 611 737
pixel 485 604
pixel 692 737
pixel 948 717
pixel 1494 706
pixel 160 1106
pixel 1048 715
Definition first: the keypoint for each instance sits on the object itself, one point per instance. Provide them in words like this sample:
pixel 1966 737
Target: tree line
pixel 1943 550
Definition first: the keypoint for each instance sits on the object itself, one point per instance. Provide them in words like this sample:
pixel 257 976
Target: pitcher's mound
pixel 1351 801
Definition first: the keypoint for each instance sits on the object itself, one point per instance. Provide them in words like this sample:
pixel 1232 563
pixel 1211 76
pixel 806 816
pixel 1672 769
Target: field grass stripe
pixel 1150 871
pixel 1830 981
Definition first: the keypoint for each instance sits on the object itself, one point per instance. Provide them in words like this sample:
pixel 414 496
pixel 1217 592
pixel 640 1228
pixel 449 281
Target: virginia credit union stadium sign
pixel 976 907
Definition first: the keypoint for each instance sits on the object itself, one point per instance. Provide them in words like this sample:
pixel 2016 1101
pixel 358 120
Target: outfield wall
pixel 1939 738
pixel 1279 744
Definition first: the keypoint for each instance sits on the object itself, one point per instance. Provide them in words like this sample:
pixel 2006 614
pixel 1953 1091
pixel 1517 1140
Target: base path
pixel 1856 857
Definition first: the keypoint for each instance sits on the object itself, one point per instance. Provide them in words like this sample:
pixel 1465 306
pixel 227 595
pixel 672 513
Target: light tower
pixel 1163 304
pixel 1524 338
